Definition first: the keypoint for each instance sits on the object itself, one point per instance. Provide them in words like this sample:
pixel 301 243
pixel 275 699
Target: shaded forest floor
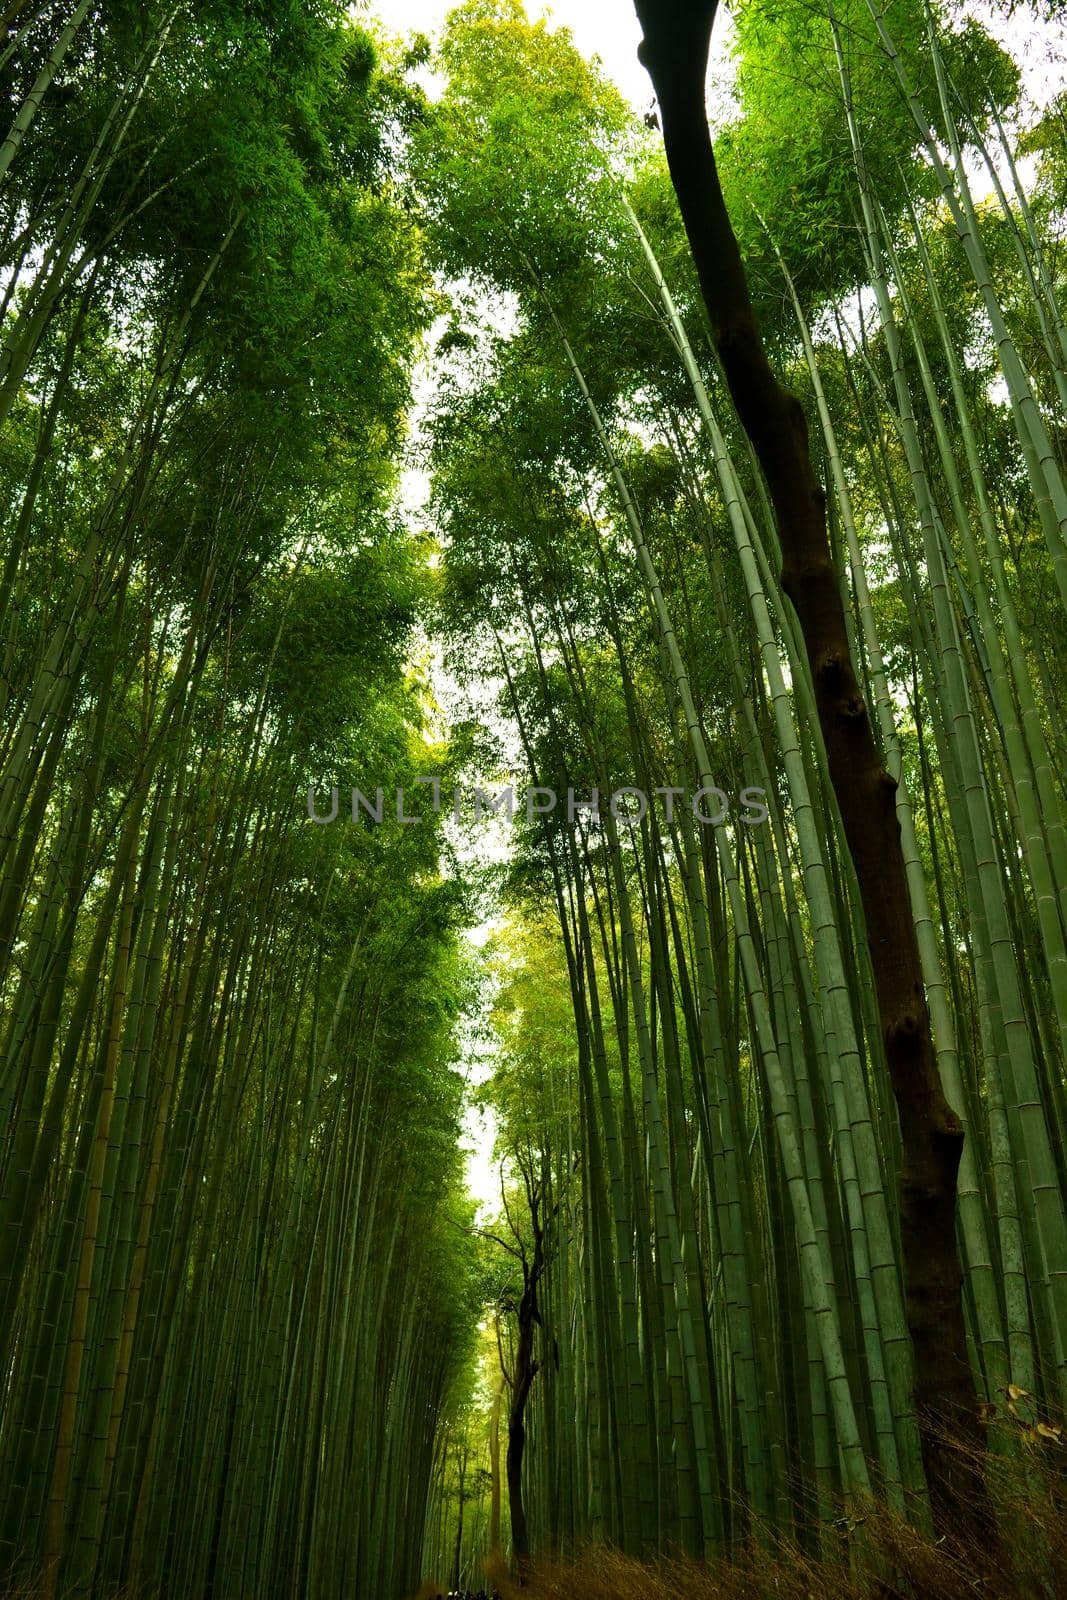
pixel 880 1557
pixel 920 1570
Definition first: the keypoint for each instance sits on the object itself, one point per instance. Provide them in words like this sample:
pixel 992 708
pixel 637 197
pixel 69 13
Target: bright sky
pixel 607 28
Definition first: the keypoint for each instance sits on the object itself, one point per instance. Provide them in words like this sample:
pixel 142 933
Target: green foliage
pixel 216 299
pixel 785 159
pixel 515 161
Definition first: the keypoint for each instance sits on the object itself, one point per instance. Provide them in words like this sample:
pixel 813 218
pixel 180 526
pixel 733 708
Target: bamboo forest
pixel 533 800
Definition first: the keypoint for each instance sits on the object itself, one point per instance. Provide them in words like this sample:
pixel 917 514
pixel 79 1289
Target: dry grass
pixel 892 1565
pixel 877 1557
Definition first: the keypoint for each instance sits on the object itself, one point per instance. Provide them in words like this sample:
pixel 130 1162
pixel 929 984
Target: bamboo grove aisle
pixel 258 1339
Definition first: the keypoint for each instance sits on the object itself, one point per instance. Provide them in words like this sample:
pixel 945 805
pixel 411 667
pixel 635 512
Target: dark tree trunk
pixel 677 35
pixel 494 1467
pixel 457 1554
pixel 520 1540
pixel 525 1371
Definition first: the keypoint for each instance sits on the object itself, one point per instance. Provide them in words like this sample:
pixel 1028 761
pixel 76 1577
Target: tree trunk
pixel 457 1554
pixel 526 1368
pixel 524 1372
pixel 677 36
pixel 520 1543
pixel 494 1468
